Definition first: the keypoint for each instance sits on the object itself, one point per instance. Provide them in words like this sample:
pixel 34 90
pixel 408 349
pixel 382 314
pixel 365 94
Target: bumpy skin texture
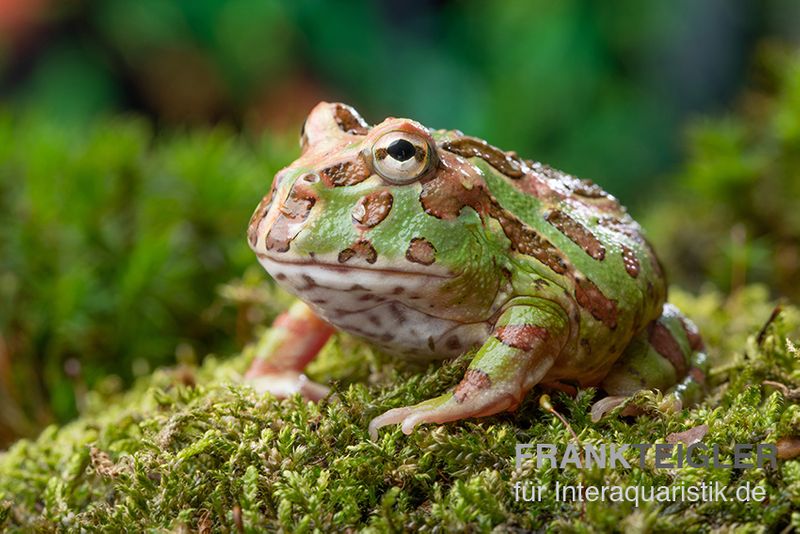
pixel 428 243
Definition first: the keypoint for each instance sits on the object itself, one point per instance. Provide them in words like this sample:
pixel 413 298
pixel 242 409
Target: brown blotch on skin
pixel 294 209
pixel 630 261
pixel 277 239
pixel 528 241
pixel 365 249
pixel 361 248
pixel 667 346
pixel 589 297
pixel 345 255
pixel 421 251
pixel 590 194
pixel 697 375
pixel 534 185
pixel 299 202
pixel 474 381
pixel 692 334
pixel 444 196
pixel 577 233
pixel 263 208
pixel 554 186
pixel 471 147
pixel 373 208
pixel 521 336
pixel 588 189
pixel 345 173
pixel 349 121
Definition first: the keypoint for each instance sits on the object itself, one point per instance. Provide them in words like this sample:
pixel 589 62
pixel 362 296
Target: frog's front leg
pixel 524 344
pixel 296 337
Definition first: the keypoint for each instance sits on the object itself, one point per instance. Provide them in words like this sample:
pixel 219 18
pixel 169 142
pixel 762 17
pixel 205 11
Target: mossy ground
pixel 193 449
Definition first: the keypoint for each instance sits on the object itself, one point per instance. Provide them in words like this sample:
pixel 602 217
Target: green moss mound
pixel 113 239
pixel 194 449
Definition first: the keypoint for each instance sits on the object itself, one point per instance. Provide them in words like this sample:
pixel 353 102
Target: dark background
pixel 598 89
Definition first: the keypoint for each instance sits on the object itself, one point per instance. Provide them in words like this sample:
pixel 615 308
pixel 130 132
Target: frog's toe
pixel 442 409
pixel 286 383
pixel 391 417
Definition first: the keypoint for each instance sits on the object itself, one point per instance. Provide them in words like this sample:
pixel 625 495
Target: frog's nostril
pixel 373 208
pixel 310 178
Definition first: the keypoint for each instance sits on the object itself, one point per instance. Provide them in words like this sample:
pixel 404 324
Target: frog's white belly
pixel 383 306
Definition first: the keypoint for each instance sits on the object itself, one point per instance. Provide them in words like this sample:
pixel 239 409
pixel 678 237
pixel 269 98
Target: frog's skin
pixel 428 243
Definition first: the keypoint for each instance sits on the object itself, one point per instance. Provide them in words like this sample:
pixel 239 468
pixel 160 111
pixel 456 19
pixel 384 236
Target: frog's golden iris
pixel 402 157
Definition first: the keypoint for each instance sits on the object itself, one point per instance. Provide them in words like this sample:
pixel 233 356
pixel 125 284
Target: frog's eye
pixel 401 157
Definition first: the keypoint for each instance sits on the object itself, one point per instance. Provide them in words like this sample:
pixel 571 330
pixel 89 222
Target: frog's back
pixel 582 249
pixel 600 243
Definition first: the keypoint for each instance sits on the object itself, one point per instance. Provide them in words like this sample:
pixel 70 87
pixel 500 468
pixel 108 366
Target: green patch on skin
pixel 335 231
pixel 171 456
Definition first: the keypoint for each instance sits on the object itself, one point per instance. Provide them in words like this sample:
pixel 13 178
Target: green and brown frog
pixel 429 243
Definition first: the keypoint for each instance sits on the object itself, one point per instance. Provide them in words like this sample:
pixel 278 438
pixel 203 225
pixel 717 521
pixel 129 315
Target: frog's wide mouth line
pixel 347 269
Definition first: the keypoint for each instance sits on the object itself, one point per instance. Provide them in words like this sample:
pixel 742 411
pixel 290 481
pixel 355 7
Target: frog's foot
pixel 511 361
pixel 467 400
pixel 282 353
pixel 283 384
pixel 667 356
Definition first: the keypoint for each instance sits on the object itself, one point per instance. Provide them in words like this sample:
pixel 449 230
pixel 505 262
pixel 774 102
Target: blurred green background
pixel 136 137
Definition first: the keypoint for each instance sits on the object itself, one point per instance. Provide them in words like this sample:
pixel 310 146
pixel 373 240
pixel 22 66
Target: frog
pixel 430 244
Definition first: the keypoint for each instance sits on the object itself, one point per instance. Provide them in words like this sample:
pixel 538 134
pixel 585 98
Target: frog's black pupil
pixel 401 150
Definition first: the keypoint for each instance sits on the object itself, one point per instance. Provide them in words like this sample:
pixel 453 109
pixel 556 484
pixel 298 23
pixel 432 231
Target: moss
pixel 193 448
pixel 113 238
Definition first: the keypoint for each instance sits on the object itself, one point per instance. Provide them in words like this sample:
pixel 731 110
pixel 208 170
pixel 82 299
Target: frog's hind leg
pixel 667 355
pixel 296 337
pixel 526 340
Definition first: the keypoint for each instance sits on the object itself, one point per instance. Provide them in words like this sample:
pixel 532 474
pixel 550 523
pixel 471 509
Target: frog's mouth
pixel 402 311
pixel 301 276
